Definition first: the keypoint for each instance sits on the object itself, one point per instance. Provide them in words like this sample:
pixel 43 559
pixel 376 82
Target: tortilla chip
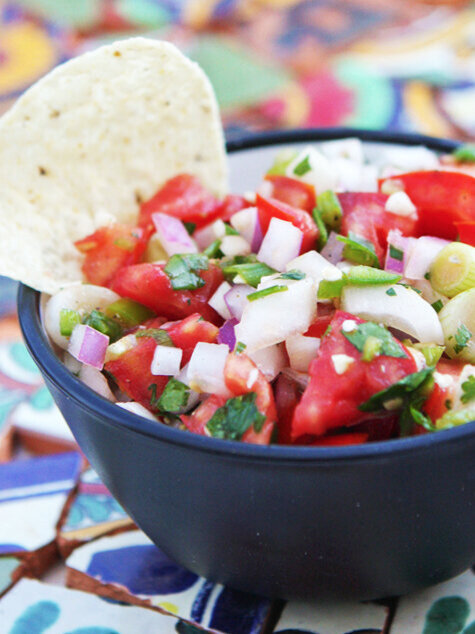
pixel 92 139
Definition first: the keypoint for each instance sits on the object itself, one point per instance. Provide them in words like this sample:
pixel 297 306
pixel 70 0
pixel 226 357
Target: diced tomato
pixel 271 208
pixel 109 249
pixel 131 372
pixel 443 396
pixel 183 197
pixel 148 284
pixel 187 332
pixel 442 198
pixel 231 205
pixel 196 421
pixel 364 214
pixel 466 231
pixel 286 394
pixel 340 440
pixel 293 192
pixel 331 399
pixel 325 313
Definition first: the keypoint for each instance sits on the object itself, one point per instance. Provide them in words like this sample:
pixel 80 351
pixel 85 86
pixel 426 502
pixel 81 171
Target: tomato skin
pixel 341 440
pixel 466 231
pixel 187 332
pixel 287 395
pixel 331 400
pixel 148 284
pixel 325 313
pixel 196 421
pixel 436 405
pixel 269 208
pixel 109 249
pixel 293 192
pixel 364 214
pixel 442 198
pixel 183 197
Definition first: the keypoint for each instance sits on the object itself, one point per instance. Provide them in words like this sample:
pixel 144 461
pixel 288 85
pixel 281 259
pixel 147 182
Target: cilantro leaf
pixel 359 336
pixel 104 324
pixel 293 274
pixel 400 389
pixel 174 397
pixel 235 417
pixel 161 336
pixel 468 388
pixel 181 268
pixel 303 167
pixel 359 250
pixel 462 337
pixel 251 272
pixel 395 253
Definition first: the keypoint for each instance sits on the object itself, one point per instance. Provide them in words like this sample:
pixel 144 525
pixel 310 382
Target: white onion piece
pixel 322 174
pixel 136 408
pixel 236 299
pixel 193 397
pixel 234 245
pixel 217 300
pixel 94 379
pixel 281 244
pixel 315 266
pixel 427 292
pixel 71 363
pixel 173 235
pixel 117 349
pixel 406 310
pixel 80 297
pixel 301 350
pixel 270 360
pixel 401 243
pixel 166 361
pixel 409 159
pixel 208 234
pixel 333 250
pixel 88 345
pixel 400 204
pixel 247 223
pixel 350 148
pixel 272 319
pixel 206 368
pixel 423 253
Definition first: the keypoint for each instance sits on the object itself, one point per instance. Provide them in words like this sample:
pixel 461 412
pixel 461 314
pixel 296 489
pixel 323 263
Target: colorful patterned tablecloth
pixel 403 65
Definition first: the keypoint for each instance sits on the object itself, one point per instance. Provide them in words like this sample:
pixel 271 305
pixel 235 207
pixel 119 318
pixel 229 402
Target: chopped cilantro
pixel 303 167
pixel 465 153
pixel 293 274
pixel 427 276
pixel 240 347
pixel 322 230
pixel 213 250
pixel 251 272
pixel 270 290
pixel 462 337
pixel 448 403
pixel 389 347
pixel 372 348
pixel 468 388
pixel 328 289
pixel 173 398
pixel 190 227
pixel 391 292
pixel 359 250
pixel 400 389
pixel 230 231
pixel 395 253
pixel 104 324
pixel 235 417
pixel 181 269
pixel 438 305
pixel 161 336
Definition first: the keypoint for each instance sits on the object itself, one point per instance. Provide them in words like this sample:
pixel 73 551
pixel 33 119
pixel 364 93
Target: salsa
pixel 335 305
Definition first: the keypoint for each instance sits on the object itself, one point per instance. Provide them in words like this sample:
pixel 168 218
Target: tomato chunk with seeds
pixel 269 208
pixel 109 249
pixel 291 191
pixel 334 393
pixel 148 284
pixel 187 332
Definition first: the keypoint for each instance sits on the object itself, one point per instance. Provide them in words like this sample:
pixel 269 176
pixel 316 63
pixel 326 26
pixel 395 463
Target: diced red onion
pixel 333 250
pixel 300 378
pixel 88 345
pixel 208 234
pixel 96 381
pixel 166 361
pixel 173 235
pixel 206 368
pixel 281 244
pixel 399 242
pixel 247 223
pixel 226 333
pixel 423 253
pixel 217 301
pixel 236 299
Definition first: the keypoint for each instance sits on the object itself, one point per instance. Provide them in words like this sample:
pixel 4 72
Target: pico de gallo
pixel 334 305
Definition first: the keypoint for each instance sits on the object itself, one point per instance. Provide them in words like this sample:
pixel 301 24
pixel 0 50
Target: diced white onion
pixel 166 361
pixel 94 378
pixel 208 234
pixel 341 362
pixel 400 204
pixel 234 245
pixel 136 408
pixel 88 345
pixel 315 266
pixel 423 252
pixel 270 360
pixel 301 350
pixel 117 349
pixel 247 223
pixel 206 368
pixel 281 244
pixel 193 397
pixel 350 148
pixel 322 174
pixel 236 299
pixel 218 303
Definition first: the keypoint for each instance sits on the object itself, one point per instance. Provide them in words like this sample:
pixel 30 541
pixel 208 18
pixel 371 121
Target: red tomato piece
pixel 109 249
pixel 293 192
pixel 271 208
pixel 148 284
pixel 466 231
pixel 186 333
pixel 196 421
pixel 231 205
pixel 331 400
pixel 364 214
pixel 131 372
pixel 341 440
pixel 183 197
pixel 442 398
pixel 287 395
pixel 325 313
pixel 442 199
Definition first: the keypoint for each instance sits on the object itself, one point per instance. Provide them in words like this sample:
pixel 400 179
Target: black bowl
pixel 365 521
